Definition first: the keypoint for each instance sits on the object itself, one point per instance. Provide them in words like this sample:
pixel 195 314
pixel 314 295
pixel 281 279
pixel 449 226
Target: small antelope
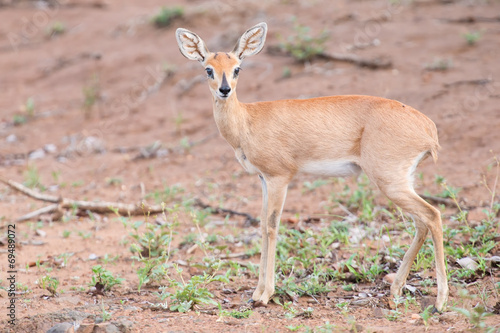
pixel 330 136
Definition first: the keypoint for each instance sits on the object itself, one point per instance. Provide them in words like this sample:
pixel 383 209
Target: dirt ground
pixel 109 110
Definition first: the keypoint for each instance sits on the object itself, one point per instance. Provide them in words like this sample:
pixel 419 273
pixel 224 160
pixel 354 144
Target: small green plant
pixel 24 288
pixel 85 235
pixel 426 315
pixel 166 15
pixel 472 37
pixel 49 283
pixel 29 107
pixel 19 119
pixel 439 64
pixel 32 178
pixel 302 46
pixel 66 233
pixel 186 294
pixel 476 317
pixel 91 95
pixel 153 242
pixel 166 195
pixel 152 269
pixel 309 187
pixel 106 316
pixel 238 314
pixel 104 279
pixel 56 28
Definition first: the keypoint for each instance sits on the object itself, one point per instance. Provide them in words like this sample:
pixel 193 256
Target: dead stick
pixel 45 210
pixel 98 207
pixel 29 192
pixel 377 63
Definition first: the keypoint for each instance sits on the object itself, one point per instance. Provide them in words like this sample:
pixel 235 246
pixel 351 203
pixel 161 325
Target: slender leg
pixel 427 218
pixel 409 257
pixel 277 188
pixel 264 249
pixel 442 279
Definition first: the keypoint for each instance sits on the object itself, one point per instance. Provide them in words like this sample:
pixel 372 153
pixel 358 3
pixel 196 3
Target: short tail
pixel 434 152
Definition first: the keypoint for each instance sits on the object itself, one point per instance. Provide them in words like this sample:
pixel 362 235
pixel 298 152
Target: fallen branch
pixel 471 19
pixel 97 207
pixel 45 210
pixel 105 206
pixel 471 82
pixel 376 63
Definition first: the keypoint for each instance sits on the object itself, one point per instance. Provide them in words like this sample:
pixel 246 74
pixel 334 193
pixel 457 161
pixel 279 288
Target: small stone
pixel 468 263
pixel 62 328
pixel 410 288
pixel 92 256
pixel 37 154
pixel 11 138
pixel 380 313
pixel 85 328
pixel 50 148
pixel 41 233
pixel 389 278
pixel 449 317
pixel 125 325
pixel 415 316
pixel 3 293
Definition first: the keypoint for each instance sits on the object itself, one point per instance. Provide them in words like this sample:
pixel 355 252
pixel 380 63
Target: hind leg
pixel 427 218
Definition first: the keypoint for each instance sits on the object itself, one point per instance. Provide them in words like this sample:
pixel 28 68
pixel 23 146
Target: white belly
pixel 333 168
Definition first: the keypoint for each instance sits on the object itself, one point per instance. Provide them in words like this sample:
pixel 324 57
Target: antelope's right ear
pixel 191 45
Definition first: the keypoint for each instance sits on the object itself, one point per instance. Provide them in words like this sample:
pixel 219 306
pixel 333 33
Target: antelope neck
pixel 231 119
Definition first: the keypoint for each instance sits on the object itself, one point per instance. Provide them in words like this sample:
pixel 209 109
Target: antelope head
pixel 222 68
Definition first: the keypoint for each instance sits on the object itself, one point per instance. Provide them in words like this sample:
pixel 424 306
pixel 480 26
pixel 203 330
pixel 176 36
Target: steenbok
pixel 329 136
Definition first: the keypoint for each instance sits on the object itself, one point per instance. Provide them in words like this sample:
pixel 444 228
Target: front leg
pixel 264 245
pixel 276 192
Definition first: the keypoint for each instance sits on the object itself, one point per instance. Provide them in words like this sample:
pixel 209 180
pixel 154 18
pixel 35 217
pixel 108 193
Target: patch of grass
pixel 439 64
pixel 104 279
pixel 49 283
pixel 32 178
pixel 472 37
pixel 153 242
pixel 91 95
pixel 309 187
pixel 166 195
pixel 302 46
pixel 186 294
pixel 238 314
pixel 56 28
pixel 166 15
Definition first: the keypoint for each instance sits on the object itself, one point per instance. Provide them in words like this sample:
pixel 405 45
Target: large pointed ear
pixel 191 45
pixel 251 42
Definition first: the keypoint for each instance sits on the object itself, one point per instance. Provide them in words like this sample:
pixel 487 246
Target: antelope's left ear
pixel 251 42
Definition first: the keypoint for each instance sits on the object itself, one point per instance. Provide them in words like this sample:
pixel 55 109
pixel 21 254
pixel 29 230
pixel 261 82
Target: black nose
pixel 225 90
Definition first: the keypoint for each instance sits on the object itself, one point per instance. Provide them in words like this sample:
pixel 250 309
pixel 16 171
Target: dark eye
pixel 236 72
pixel 210 72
